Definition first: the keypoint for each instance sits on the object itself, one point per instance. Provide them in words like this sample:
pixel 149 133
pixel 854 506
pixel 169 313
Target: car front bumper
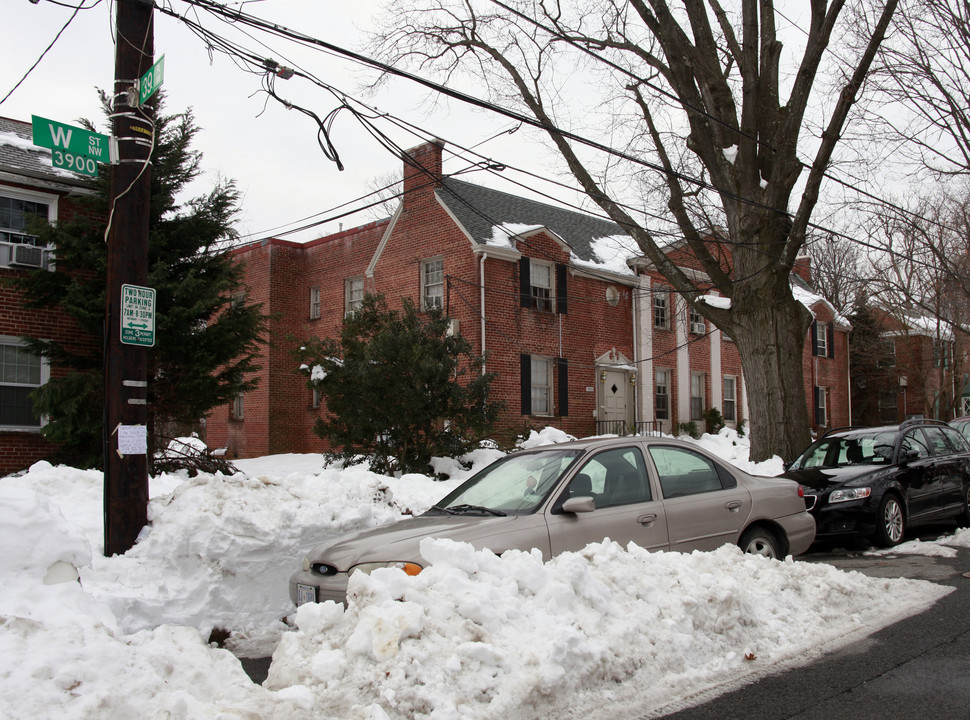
pixel 325 587
pixel 851 519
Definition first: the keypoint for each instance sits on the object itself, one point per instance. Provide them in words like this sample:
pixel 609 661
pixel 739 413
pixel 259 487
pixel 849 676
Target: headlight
pixel 408 567
pixel 850 494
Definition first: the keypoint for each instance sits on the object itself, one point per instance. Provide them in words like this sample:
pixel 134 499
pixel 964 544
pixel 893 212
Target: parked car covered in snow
pixel 877 482
pixel 657 492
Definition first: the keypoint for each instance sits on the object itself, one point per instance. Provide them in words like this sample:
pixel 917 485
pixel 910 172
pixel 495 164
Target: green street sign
pixel 137 315
pixel 151 81
pixel 70 140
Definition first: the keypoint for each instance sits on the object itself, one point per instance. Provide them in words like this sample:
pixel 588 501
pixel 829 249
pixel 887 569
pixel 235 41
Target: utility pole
pixel 126 365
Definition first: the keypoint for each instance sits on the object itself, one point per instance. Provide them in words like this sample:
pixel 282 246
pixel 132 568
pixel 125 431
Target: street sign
pixel 151 81
pixel 70 139
pixel 137 315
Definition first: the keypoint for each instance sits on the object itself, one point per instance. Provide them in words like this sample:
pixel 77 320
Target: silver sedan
pixel 656 492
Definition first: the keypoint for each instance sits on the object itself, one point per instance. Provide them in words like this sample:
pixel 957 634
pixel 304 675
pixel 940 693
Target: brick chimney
pixel 427 175
pixel 803 268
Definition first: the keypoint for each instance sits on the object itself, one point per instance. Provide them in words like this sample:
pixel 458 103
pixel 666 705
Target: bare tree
pixel 696 91
pixel 385 191
pixel 837 271
pixel 922 284
pixel 925 70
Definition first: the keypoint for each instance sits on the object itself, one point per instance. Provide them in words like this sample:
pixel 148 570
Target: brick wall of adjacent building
pixel 21 448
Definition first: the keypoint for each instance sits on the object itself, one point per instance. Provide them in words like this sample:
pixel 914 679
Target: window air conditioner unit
pixel 27 256
pixel 698 328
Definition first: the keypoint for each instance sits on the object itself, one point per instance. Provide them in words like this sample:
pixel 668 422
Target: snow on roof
pixel 502 234
pixel 809 297
pixel 609 253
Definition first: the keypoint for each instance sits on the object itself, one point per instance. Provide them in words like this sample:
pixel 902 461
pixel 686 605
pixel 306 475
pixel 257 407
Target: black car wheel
pixel 890 522
pixel 759 541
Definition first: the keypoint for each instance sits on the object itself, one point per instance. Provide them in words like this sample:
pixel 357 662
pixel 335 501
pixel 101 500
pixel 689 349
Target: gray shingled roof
pixel 29 161
pixel 479 209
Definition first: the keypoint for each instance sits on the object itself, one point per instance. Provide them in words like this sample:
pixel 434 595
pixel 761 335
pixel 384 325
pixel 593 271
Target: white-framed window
pixel 18 246
pixel 662 394
pixel 315 302
pixel 697 324
pixel 821 339
pixel 432 284
pixel 661 309
pixel 697 385
pixel 729 408
pixel 238 407
pixel 353 294
pixel 540 284
pixel 20 373
pixel 541 385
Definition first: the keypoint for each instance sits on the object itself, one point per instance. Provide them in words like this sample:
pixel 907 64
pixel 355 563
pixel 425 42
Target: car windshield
pixel 516 484
pixel 875 448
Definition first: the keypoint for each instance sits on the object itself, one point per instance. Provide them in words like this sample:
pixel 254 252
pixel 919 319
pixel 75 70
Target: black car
pixel 963 425
pixel 877 482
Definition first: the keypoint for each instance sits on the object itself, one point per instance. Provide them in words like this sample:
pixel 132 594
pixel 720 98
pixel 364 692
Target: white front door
pixel 614 401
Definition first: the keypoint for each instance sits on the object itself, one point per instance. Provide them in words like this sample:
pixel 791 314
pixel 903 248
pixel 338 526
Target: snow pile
pixel 478 636
pixel 472 636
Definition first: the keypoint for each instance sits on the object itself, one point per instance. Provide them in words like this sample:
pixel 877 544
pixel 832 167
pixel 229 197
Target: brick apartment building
pixel 924 371
pixel 29 187
pixel 580 338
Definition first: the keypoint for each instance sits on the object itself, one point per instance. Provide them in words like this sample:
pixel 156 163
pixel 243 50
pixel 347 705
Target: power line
pixel 77 9
pixel 307 40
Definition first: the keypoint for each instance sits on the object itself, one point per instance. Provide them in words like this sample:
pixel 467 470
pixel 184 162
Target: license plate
pixel 305 594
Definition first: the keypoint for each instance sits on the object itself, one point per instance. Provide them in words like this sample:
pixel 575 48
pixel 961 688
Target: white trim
pixel 34 196
pixel 45 375
pixel 379 250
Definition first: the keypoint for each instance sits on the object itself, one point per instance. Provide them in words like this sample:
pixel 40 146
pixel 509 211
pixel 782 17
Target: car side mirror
pixel 909 455
pixel 581 504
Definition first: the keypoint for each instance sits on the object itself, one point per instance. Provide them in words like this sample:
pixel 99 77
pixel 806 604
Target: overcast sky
pixel 270 151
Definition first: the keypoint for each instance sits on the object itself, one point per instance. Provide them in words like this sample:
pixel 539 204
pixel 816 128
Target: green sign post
pixel 151 81
pixel 73 148
pixel 137 315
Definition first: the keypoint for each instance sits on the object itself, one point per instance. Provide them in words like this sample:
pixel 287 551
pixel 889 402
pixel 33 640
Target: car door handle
pixel 733 505
pixel 647 520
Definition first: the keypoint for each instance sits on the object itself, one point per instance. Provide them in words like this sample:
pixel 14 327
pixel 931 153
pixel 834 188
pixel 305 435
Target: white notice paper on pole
pixel 133 439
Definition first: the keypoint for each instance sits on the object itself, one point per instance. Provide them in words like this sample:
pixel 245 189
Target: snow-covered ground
pixel 472 636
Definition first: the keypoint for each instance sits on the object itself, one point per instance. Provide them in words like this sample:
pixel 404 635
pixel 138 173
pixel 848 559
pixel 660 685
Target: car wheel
pixel 890 522
pixel 758 541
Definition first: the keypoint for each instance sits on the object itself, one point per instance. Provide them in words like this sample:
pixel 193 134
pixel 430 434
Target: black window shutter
pixel 831 338
pixel 526 365
pixel 561 289
pixel 815 338
pixel 563 366
pixel 525 284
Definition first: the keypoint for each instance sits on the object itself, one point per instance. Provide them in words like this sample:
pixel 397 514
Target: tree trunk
pixel 770 336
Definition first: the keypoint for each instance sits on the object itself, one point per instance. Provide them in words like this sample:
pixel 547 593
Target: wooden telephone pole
pixel 126 365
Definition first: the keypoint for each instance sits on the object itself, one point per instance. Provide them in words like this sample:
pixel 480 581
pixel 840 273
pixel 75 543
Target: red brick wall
pixel 20 449
pixel 279 273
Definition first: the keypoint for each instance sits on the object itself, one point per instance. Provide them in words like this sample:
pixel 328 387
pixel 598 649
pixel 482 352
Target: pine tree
pixel 207 335
pixel 398 390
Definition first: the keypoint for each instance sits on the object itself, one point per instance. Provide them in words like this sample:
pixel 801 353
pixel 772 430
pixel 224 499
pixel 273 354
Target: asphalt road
pixel 918 668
